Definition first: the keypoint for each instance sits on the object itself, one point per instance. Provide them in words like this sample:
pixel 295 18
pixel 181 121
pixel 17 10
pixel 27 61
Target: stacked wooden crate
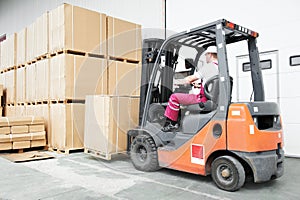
pixel 21 133
pixel 109 117
pixel 72 52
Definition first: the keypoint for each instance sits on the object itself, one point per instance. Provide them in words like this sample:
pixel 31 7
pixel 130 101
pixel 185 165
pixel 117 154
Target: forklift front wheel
pixel 144 153
pixel 228 173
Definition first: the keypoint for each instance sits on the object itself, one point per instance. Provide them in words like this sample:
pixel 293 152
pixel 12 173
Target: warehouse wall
pixel 277 22
pixel 16 14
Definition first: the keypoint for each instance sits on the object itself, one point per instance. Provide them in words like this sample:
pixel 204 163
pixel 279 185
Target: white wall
pixel 17 14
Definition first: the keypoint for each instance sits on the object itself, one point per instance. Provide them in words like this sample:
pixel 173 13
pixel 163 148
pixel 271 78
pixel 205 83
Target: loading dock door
pixel 269 64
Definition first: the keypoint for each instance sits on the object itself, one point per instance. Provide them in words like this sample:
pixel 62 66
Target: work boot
pixel 170 127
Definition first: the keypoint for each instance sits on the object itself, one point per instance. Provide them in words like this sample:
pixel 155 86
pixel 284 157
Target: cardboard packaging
pixel 124 39
pixel 21 47
pixel 5 138
pixel 107 120
pixel 5 130
pixel 41 35
pixel 67 126
pixel 20 111
pixel 21 145
pixel 8 52
pixel 19 129
pixel 20 89
pixel 42 80
pixel 36 128
pixel 75 28
pixel 30 86
pixel 37 143
pixel 20 121
pixel 124 79
pixel 10 111
pixel 10 85
pixel 5 145
pixel 74 77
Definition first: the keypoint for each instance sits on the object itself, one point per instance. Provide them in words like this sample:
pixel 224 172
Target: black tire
pixel 228 173
pixel 143 153
pixel 156 113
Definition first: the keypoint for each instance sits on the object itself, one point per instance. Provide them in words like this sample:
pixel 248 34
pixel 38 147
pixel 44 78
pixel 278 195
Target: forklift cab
pixel 224 139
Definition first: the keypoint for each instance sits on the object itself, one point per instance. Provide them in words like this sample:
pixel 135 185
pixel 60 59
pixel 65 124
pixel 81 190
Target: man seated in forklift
pixel 207 71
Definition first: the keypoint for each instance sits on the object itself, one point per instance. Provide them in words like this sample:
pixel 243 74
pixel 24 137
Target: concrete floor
pixel 80 176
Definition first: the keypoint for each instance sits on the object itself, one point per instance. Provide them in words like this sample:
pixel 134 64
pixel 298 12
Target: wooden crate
pixel 41 40
pixel 8 52
pixel 75 28
pixel 20 85
pixel 42 80
pixel 74 77
pixel 67 126
pixel 21 47
pixel 31 83
pixel 10 85
pixel 107 120
pixel 124 39
pixel 30 43
pixel 124 78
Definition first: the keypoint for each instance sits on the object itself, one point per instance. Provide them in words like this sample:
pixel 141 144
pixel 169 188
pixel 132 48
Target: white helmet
pixel 211 49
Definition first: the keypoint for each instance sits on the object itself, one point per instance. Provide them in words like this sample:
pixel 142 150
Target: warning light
pixel 230 25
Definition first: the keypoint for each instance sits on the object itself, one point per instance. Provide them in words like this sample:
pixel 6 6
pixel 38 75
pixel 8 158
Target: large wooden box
pixel 31 83
pixel 75 28
pixel 67 126
pixel 42 80
pixel 8 52
pixel 74 77
pixel 10 85
pixel 21 47
pixel 41 36
pixel 107 120
pixel 30 42
pixel 124 39
pixel 20 89
pixel 124 78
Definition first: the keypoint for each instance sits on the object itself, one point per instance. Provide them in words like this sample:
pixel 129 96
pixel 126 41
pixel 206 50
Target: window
pixel 264 64
pixel 295 60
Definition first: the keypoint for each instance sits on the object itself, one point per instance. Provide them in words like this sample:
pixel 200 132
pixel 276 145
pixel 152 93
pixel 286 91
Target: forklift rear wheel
pixel 228 173
pixel 144 153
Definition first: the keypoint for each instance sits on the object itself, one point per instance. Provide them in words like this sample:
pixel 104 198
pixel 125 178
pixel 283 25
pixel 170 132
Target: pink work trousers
pixel 176 99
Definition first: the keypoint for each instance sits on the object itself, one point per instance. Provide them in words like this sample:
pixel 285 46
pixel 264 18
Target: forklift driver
pixel 207 71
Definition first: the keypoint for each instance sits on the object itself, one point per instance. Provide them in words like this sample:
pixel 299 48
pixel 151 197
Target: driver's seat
pixel 211 91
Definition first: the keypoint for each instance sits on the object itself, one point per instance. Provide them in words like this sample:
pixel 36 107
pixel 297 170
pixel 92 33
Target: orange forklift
pixel 231 141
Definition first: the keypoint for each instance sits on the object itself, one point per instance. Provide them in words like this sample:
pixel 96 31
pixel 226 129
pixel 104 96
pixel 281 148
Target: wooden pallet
pixel 66 101
pixel 76 52
pixel 120 59
pixel 66 151
pixel 98 154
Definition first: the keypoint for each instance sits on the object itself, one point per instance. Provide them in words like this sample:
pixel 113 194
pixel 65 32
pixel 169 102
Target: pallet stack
pixel 70 52
pixel 22 133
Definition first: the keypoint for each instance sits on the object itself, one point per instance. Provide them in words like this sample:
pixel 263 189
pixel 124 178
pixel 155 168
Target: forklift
pixel 231 141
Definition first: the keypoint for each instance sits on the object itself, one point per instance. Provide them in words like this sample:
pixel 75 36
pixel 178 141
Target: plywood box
pixel 21 145
pixel 5 145
pixel 38 143
pixel 75 28
pixel 20 111
pixel 30 42
pixel 74 77
pixel 67 126
pixel 107 120
pixel 31 83
pixel 41 35
pixel 124 79
pixel 8 52
pixel 124 39
pixel 10 85
pixel 42 80
pixel 21 47
pixel 20 89
pixel 10 111
pixel 19 129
